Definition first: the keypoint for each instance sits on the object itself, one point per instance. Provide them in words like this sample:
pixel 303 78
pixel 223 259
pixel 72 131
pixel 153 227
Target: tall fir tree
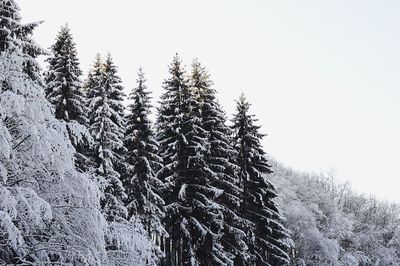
pixel 193 218
pixel 64 87
pixel 65 92
pixel 268 237
pixel 140 181
pixel 221 160
pixel 106 124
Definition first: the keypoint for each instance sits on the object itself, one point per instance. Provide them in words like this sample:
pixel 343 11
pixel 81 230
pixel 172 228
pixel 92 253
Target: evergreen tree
pixel 107 128
pixel 140 181
pixel 268 236
pixel 16 37
pixel 64 90
pixel 221 160
pixel 93 81
pixel 64 87
pixel 193 218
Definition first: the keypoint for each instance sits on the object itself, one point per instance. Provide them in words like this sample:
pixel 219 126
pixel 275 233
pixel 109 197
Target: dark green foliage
pixel 221 160
pixel 64 91
pixel 106 124
pixel 192 215
pixel 140 181
pixel 267 235
pixel 64 87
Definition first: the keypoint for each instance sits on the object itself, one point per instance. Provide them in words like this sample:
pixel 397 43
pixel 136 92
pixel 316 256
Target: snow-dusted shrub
pixel 132 246
pixel 331 225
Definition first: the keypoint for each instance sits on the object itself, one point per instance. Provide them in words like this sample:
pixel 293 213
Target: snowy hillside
pixel 332 225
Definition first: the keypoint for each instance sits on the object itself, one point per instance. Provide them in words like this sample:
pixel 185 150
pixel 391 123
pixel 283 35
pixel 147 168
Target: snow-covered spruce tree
pixel 64 90
pixel 193 218
pixel 221 160
pixel 48 211
pixel 140 181
pixel 127 242
pixel 64 87
pixel 268 237
pixel 106 124
pixel 92 84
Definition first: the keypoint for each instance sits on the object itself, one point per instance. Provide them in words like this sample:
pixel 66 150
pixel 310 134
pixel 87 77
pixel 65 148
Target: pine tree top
pixel 98 63
pixel 243 121
pixel 113 82
pixel 139 111
pixel 140 95
pixel 64 40
pixel 247 136
pixel 16 37
pixel 178 77
pixel 200 78
pixel 93 80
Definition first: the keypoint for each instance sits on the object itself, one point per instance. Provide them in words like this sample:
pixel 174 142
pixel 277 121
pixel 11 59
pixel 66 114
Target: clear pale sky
pixel 323 76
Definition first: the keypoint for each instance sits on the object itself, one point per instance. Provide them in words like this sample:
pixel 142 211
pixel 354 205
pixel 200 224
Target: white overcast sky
pixel 323 76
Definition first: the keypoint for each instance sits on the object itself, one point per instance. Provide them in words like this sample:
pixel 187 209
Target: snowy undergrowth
pixel 331 225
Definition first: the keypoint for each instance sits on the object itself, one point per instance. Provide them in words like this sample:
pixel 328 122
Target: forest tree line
pixel 198 186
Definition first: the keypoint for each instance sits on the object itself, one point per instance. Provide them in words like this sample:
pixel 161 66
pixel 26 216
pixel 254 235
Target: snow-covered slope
pixel 331 225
